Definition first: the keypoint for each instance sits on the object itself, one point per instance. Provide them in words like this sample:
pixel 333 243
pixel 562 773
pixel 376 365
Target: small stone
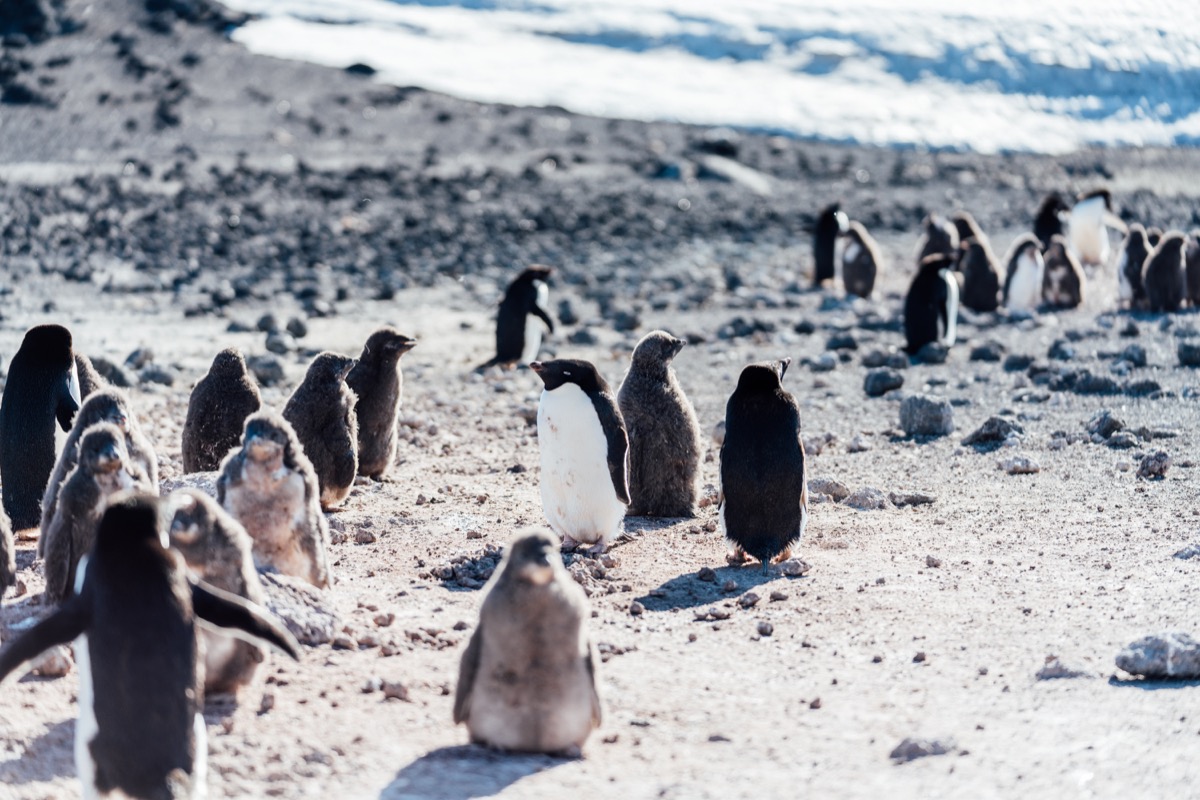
pixel 912 749
pixel 1135 354
pixel 902 499
pixel 297 328
pixel 583 336
pixel 1019 465
pixel 368 641
pixel 155 373
pixel 1168 656
pixel 923 415
pixel 268 323
pixel 729 586
pixel 858 444
pixel 636 609
pixel 1055 668
pixel 879 382
pixel 139 358
pixel 1154 466
pixel 815 704
pixel 394 690
pixel 867 498
pixel 933 353
pixel 707 574
pixel 1122 441
pixel 267 369
pixel 765 628
pixel 835 489
pixel 266 703
pixel 1062 350
pixel 364 537
pixel 794 567
pixel 748 600
pixel 280 342
pixel 933 562
pixel 826 362
pixel 1104 423
pixel 1130 330
pixel 842 341
pixel 993 433
pixel 919 658
pixel 385 620
pixel 988 351
pixel 1017 362
pixel 1189 354
pixel 778 596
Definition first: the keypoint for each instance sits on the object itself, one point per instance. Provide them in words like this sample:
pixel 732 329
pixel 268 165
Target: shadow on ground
pixel 689 591
pixel 51 755
pixel 464 772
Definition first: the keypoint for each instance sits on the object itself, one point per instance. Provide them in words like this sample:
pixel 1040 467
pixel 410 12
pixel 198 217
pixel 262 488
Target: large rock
pixel 835 489
pixel 924 415
pixel 1189 354
pixel 1168 656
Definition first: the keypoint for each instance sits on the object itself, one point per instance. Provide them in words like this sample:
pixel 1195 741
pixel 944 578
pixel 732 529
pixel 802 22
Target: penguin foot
pixel 596 549
pixel 362 480
pixel 736 557
pixel 569 544
pixel 783 555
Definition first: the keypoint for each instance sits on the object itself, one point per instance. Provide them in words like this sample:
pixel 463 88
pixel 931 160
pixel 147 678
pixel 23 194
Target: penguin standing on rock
pixel 860 261
pixel 764 491
pixel 377 382
pixel 1024 275
pixel 938 238
pixel 1088 226
pixel 664 434
pixel 42 387
pixel 518 338
pixel 133 618
pixel 981 280
pixel 1165 273
pixel 1064 282
pixel 321 411
pixel 1048 222
pixel 583 445
pixel 8 561
pixel 217 411
pixel 931 305
pixel 831 224
pixel 527 679
pixel 1134 250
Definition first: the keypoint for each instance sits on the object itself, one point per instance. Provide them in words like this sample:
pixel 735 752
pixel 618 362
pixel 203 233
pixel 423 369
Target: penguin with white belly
pixel 518 337
pixel 583 445
pixel 134 618
pixel 1025 274
pixel 1088 226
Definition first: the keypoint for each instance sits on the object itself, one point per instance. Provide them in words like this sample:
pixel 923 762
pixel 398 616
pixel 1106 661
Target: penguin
pixel 931 306
pixel 217 411
pixel 1192 260
pixel 1024 274
pixel 860 261
pixel 379 385
pixel 42 386
pixel 1153 236
pixel 90 380
pixel 269 486
pixel 1064 283
pixel 1134 250
pixel 527 679
pixel 216 549
pixel 583 445
pixel 8 555
pixel 967 228
pixel 939 238
pixel 104 405
pixel 1165 274
pixel 665 443
pixel 321 411
pixel 981 280
pixel 518 338
pixel 103 469
pixel 831 224
pixel 764 491
pixel 1048 222
pixel 133 618
pixel 1088 227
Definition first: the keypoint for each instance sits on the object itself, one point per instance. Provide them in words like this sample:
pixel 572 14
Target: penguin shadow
pixel 48 756
pixel 462 772
pixel 636 527
pixel 1148 685
pixel 689 591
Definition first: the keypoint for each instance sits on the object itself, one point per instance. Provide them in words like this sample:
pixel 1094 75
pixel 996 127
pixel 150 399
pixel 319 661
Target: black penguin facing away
pixel 981 279
pixel 831 224
pixel 1134 250
pixel 1048 222
pixel 939 237
pixel 1165 273
pixel 379 386
pixel 133 618
pixel 764 492
pixel 967 228
pixel 42 387
pixel 217 411
pixel 931 306
pixel 518 338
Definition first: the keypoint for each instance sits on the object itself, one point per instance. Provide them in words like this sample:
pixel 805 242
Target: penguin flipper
pixel 544 316
pixel 597 709
pixel 232 614
pixel 467 669
pixel 66 623
pixel 618 442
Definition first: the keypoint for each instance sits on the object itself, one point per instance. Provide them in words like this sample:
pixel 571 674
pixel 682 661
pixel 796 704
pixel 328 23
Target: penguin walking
pixel 1049 220
pixel 519 338
pixel 1130 262
pixel 269 486
pixel 89 379
pixel 583 446
pixel 103 405
pixel 321 411
pixel 217 411
pixel 1024 274
pixel 1192 260
pixel 1165 273
pixel 764 491
pixel 1088 227
pixel 133 618
pixel 938 237
pixel 8 559
pixel 981 280
pixel 664 434
pixel 527 679
pixel 216 549
pixel 831 224
pixel 860 261
pixel 1064 282
pixel 103 469
pixel 931 305
pixel 42 387
pixel 379 385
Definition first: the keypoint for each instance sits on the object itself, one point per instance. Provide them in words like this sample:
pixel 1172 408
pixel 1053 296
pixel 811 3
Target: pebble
pixel 53 663
pixel 297 327
pixel 867 498
pixel 882 380
pixel 993 433
pixel 794 567
pixel 154 373
pixel 1104 423
pixel 765 628
pixel 778 596
pixel 825 362
pixel 1154 466
pixel 988 351
pixel 842 341
pixel 707 574
pixel 729 586
pixel 748 600
pixel 394 690
pixel 1168 656
pixel 902 499
pixel 1135 354
pixel 365 537
pixel 1016 362
pixel 1189 354
pixel 636 609
pixel 858 445
pixel 1019 465
pixel 267 369
pixel 280 342
pixel 1061 350
pixel 1122 441
pixel 835 489
pixel 912 749
pixel 933 562
pixel 1054 669
pixel 933 353
pixel 925 415
pixel 139 358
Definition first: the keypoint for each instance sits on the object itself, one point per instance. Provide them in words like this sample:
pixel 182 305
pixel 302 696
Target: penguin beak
pixel 536 366
pixel 678 345
pixel 404 345
pixel 110 458
pixel 122 422
pixel 784 363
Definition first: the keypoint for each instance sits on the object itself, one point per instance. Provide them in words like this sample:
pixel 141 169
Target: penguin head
pixel 102 448
pixel 941 233
pixel 530 557
pixel 229 362
pixel 49 344
pixel 329 366
pixel 1172 242
pixel 657 349
pixel 267 438
pixel 763 377
pixel 105 405
pixel 387 343
pixel 189 516
pixel 565 370
pixel 936 262
pixel 1104 194
pixel 536 272
pixel 1154 235
pixel 131 519
pixel 965 224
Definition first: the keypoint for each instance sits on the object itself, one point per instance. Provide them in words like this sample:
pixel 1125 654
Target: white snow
pixel 1031 75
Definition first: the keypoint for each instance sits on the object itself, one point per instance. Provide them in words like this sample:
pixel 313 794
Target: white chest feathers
pixel 533 325
pixel 950 327
pixel 1088 233
pixel 1025 288
pixel 577 489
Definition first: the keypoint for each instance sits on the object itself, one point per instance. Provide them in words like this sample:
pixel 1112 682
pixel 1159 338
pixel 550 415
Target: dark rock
pixel 739 327
pixel 583 336
pixel 835 489
pixel 566 312
pixel 365 70
pixel 988 351
pixel 1144 388
pixel 1130 330
pixel 1061 350
pixel 912 749
pixel 268 323
pixel 139 358
pixel 626 320
pixel 297 327
pixel 114 373
pixel 841 341
pixel 1189 354
pixel 804 327
pixel 267 369
pixel 1154 466
pixel 1168 656
pixel 720 142
pixel 280 342
pixel 1135 354
pixel 1016 362
pixel 1123 440
pixel 1088 383
pixel 823 363
pixel 923 415
pixel 933 353
pixel 992 433
pixel 1104 423
pixel 903 499
pixel 879 382
pixel 153 373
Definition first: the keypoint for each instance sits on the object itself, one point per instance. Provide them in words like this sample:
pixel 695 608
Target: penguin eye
pixel 567 373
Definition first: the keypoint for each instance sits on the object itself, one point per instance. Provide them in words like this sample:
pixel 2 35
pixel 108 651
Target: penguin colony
pixel 527 679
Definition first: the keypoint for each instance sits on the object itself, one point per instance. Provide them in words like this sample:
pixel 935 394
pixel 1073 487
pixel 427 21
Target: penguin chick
pixel 527 679
pixel 860 261
pixel 104 405
pixel 321 411
pixel 981 280
pixel 103 469
pixel 583 445
pixel 379 385
pixel 967 228
pixel 1024 275
pixel 831 223
pixel 1063 283
pixel 133 617
pixel 217 550
pixel 217 411
pixel 939 237
pixel 1088 226
pixel 1048 222
pixel 764 491
pixel 931 305
pixel 1165 274
pixel 1134 251
pixel 518 338
pixel 269 486
pixel 89 379
pixel 664 434
pixel 8 563
pixel 42 386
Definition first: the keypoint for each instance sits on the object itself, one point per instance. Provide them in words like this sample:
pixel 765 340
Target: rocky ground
pixel 163 191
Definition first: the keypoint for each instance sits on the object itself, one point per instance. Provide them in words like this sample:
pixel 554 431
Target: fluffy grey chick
pixel 89 379
pixel 664 435
pixel 321 411
pixel 217 411
pixel 379 385
pixel 527 680
pixel 269 486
